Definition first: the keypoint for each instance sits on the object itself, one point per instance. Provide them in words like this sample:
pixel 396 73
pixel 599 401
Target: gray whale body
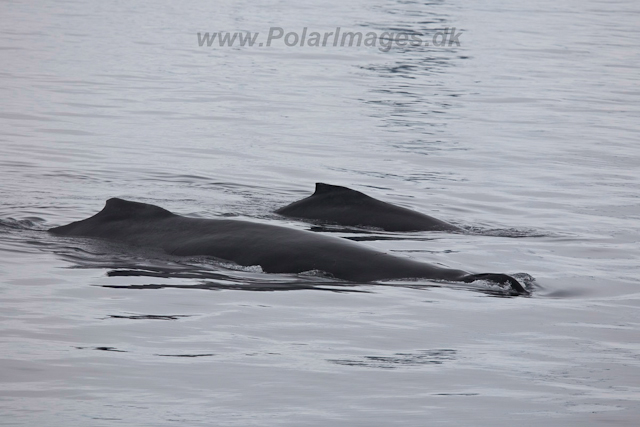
pixel 274 248
pixel 344 206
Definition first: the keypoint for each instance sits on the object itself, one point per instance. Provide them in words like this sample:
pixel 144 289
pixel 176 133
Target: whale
pixel 343 206
pixel 275 248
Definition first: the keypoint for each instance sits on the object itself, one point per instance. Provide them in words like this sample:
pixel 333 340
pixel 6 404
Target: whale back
pixel 339 194
pixel 344 206
pixel 276 249
pixel 336 190
pixel 114 211
pixel 117 209
pixel 325 196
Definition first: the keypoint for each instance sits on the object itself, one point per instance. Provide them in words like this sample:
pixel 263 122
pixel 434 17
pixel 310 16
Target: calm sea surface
pixel 526 135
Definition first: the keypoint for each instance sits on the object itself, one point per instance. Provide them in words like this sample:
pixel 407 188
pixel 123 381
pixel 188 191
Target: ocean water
pixel 526 135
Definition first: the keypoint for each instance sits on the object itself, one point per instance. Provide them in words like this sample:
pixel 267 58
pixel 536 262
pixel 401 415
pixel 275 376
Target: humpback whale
pixel 344 206
pixel 276 249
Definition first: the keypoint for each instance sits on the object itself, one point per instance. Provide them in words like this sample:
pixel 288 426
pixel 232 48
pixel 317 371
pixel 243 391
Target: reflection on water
pixel 399 360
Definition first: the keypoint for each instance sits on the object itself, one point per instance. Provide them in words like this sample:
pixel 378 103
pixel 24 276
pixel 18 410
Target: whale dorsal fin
pixel 120 209
pixel 322 188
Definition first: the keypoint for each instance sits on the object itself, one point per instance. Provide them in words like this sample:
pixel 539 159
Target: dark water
pixel 526 135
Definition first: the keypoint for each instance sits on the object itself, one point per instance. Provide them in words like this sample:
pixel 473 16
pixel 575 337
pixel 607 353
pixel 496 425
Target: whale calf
pixel 274 248
pixel 344 206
